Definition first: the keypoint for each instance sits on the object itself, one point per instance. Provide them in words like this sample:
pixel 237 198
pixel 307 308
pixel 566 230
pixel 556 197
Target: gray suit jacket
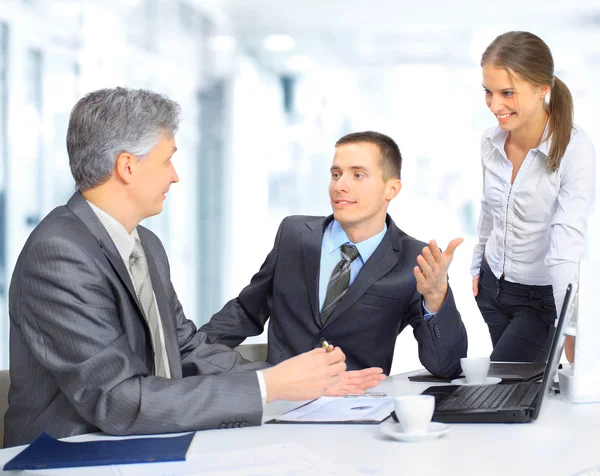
pixel 380 303
pixel 80 350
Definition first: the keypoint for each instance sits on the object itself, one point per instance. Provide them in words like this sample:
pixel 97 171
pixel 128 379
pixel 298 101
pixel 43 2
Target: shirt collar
pixel 498 139
pixel 123 241
pixel 545 145
pixel 337 237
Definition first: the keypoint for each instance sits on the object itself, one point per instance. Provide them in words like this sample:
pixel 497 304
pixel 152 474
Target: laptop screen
pixel 556 349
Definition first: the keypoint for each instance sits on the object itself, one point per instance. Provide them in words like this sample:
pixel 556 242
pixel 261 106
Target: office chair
pixel 252 352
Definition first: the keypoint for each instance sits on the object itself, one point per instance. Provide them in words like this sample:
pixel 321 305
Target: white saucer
pixel 394 430
pixel 488 381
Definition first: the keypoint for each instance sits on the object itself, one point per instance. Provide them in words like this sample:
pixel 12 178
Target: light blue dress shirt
pixel 331 254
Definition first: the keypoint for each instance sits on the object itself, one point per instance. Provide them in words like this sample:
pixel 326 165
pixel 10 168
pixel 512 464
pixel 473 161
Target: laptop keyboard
pixel 485 397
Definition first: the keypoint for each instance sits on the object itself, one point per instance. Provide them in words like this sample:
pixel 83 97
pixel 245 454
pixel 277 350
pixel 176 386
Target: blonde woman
pixel 538 193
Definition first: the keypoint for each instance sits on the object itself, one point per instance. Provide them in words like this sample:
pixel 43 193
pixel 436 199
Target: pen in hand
pixel 328 346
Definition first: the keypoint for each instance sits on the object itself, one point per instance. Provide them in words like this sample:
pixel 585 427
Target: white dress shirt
pixel 533 231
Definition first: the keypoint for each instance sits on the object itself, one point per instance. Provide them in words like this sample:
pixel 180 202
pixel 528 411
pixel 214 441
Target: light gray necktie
pixel 338 282
pixel 143 287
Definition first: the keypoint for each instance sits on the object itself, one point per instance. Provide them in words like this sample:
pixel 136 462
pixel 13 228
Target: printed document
pixel 341 410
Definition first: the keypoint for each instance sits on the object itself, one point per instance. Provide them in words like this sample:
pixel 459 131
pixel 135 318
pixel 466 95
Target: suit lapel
pixel 166 319
pixel 312 239
pixel 79 206
pixel 379 264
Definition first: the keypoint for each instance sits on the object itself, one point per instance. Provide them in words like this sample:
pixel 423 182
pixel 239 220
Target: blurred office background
pixel 266 87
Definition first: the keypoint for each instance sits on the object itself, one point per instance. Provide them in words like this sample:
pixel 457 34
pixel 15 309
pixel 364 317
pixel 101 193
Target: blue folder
pixel 47 452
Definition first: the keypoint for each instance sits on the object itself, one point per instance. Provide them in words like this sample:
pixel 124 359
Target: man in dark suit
pixel 299 286
pixel 98 338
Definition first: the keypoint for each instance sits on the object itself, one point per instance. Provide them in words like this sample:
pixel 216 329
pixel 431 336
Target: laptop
pixel 505 402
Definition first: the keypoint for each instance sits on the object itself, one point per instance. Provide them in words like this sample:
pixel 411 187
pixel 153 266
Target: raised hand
pixel 432 273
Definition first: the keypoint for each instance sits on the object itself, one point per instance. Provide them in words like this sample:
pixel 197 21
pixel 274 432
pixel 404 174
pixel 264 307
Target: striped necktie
pixel 138 266
pixel 339 281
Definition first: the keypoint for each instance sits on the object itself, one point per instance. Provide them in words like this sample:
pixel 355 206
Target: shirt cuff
pixel 263 388
pixel 426 314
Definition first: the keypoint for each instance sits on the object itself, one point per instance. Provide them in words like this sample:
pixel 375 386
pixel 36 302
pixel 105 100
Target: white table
pixel 564 440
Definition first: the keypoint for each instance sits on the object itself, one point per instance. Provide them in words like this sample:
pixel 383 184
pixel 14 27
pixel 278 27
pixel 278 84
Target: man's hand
pixel 305 376
pixel 432 275
pixel 475 286
pixel 356 382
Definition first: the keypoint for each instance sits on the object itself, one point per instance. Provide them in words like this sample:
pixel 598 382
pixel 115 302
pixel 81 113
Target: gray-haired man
pixel 98 338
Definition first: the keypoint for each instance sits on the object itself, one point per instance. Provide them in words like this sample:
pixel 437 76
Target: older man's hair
pixel 107 122
pixel 391 159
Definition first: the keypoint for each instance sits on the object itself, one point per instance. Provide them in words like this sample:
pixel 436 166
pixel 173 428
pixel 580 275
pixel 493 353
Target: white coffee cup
pixel 475 368
pixel 414 412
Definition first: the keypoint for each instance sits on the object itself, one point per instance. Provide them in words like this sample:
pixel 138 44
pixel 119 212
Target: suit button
pixel 243 424
pixel 230 425
pixel 236 425
pixel 222 426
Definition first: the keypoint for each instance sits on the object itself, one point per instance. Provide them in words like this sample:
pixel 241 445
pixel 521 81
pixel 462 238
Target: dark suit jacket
pixel 80 350
pixel 379 304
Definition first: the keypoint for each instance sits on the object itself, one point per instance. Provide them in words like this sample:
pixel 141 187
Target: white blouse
pixel 533 231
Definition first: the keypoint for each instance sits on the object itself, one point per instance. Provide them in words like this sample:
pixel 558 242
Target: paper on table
pixel 286 459
pixel 341 410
